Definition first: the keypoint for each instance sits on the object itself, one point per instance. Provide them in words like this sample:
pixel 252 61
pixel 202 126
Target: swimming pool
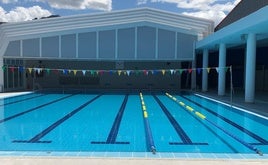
pixel 127 122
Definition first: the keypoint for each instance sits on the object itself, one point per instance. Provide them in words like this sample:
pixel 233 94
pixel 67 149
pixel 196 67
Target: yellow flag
pixel 119 72
pixel 30 70
pixel 75 71
pixel 163 72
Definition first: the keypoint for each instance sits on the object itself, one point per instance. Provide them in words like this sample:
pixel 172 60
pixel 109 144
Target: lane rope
pixel 147 126
pixel 203 117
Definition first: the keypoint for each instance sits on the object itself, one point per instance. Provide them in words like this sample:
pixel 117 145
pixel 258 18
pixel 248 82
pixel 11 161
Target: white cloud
pixel 215 10
pixel 105 5
pixel 8 1
pixel 141 2
pixel 23 14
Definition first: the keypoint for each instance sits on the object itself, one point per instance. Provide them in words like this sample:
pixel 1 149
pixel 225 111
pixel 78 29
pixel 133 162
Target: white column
pixel 222 73
pixel 250 68
pixel 204 71
pixel 1 75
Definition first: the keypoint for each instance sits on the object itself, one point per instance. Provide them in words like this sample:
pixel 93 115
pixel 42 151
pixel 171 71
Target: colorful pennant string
pixel 111 72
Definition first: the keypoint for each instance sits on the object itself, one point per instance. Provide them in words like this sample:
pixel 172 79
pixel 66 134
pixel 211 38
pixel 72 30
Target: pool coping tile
pixel 135 155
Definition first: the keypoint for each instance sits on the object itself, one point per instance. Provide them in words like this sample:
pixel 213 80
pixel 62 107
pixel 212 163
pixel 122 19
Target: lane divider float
pixel 150 140
pixel 203 117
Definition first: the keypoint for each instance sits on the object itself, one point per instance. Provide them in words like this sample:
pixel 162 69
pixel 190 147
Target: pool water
pixel 115 122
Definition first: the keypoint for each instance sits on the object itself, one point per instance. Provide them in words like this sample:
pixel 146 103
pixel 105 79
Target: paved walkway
pixel 260 106
pixel 10 94
pixel 114 161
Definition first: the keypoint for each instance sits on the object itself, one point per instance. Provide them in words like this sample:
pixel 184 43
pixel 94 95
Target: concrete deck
pixel 113 161
pixel 260 106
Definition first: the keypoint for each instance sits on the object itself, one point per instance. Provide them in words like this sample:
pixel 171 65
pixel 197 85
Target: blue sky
pixel 24 10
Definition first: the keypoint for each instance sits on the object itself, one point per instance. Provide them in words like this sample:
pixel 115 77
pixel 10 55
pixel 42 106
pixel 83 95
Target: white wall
pixel 132 43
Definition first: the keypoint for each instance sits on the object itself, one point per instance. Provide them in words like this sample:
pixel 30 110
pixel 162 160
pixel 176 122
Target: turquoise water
pixel 116 122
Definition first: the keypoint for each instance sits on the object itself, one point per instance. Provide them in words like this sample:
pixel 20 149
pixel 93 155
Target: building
pixel 240 40
pixel 119 49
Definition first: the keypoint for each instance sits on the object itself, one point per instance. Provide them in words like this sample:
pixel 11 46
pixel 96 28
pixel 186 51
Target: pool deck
pixel 114 161
pixel 260 106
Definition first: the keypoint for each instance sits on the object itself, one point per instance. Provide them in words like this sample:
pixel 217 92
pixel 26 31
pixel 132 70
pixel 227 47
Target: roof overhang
pixel 109 19
pixel 235 34
pixel 101 21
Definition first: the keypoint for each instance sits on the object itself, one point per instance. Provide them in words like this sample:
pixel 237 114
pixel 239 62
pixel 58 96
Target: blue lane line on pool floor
pixel 111 139
pixel 35 108
pixel 36 139
pixel 184 137
pixel 14 102
pixel 246 131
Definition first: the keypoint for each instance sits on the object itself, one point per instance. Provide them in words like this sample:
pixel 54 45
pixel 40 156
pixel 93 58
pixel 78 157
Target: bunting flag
pixel 65 71
pixel 137 72
pixel 30 70
pixel 111 72
pixel 101 72
pixel 144 72
pixel 128 72
pixel 21 68
pixel 217 69
pixel 84 72
pixel 171 71
pixel 119 72
pixel 4 68
pixel 190 70
pixel 56 71
pixel 39 70
pixel 12 69
pixel 48 71
pixel 198 70
pixel 75 71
